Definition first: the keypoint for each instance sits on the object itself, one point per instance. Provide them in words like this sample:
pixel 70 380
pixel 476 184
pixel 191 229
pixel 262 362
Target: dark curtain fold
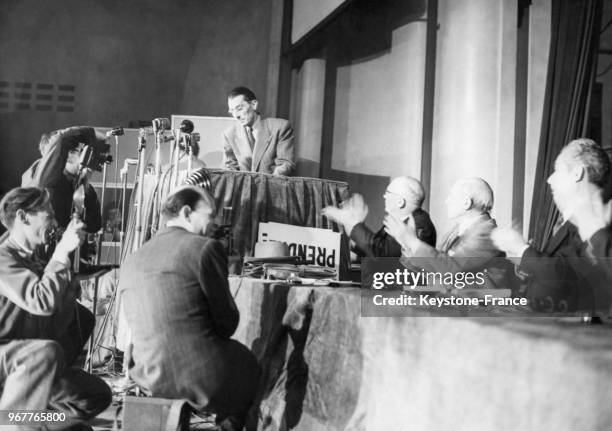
pixel 571 74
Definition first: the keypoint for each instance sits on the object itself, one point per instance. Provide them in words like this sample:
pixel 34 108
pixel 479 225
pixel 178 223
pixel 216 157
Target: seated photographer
pixel 181 315
pixel 39 337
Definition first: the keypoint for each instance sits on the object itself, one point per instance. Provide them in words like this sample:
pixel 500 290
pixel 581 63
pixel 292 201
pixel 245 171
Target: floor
pixel 111 418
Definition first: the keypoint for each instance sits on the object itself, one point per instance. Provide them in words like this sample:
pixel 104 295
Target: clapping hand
pixel 350 213
pixel 592 215
pixel 509 240
pixel 404 233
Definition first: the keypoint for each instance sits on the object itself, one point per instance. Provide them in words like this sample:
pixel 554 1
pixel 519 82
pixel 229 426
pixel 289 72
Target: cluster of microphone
pixel 185 132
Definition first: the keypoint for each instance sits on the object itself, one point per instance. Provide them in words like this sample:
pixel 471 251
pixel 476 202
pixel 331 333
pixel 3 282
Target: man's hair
pixel 409 188
pixel 187 195
pixel 592 157
pixel 242 91
pixel 478 191
pixel 28 199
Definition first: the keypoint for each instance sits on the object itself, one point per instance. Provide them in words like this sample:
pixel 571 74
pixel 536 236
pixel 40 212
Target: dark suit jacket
pixel 273 150
pixel 181 315
pixel 551 272
pixel 48 172
pixel 582 267
pixel 381 244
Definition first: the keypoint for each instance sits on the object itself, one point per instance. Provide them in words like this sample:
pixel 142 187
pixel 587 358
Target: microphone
pixel 160 124
pixel 126 165
pixel 115 131
pixel 186 126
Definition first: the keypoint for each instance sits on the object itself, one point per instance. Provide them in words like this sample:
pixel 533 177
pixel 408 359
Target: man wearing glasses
pixel 403 198
pixel 257 144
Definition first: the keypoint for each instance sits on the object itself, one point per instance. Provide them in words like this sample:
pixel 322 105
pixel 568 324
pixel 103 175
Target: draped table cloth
pixel 327 368
pixel 253 198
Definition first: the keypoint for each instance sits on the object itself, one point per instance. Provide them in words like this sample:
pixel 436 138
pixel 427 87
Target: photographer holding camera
pixel 59 171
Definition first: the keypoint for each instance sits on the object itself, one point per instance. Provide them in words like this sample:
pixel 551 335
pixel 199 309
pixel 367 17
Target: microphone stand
pixel 96 344
pixel 189 154
pixel 94 305
pixel 101 231
pixel 174 178
pixel 123 173
pixel 158 129
pixel 142 143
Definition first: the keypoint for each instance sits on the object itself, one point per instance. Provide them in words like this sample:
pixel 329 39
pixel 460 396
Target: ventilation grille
pixel 30 96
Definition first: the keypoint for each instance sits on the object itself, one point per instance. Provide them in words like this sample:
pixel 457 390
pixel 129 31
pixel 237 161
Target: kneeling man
pixel 40 334
pixel 181 315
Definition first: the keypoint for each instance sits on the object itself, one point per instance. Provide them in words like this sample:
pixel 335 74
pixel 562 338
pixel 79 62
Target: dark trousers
pixel 33 376
pixel 79 330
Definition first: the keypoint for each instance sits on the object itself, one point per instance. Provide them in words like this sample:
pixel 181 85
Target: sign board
pixel 320 245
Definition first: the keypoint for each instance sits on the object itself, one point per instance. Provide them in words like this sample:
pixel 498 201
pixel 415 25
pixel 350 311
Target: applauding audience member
pixel 403 199
pixel 466 246
pixel 577 184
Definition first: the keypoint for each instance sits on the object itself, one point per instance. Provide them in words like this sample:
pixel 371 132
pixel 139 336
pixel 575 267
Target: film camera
pixel 96 156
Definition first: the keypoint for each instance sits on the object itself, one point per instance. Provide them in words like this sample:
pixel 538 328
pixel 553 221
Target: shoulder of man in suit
pixel 279 122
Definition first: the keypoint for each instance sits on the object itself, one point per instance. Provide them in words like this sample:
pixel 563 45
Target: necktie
pixel 250 137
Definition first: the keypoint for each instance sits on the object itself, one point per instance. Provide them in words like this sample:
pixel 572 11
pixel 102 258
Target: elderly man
pixel 37 308
pixel 577 184
pixel 181 315
pixel 254 143
pixel 467 245
pixel 403 198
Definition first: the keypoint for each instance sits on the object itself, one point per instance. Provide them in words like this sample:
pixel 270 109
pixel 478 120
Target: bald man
pixel 467 245
pixel 403 198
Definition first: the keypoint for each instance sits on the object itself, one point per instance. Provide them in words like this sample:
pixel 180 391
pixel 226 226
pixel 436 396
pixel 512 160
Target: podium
pixel 254 198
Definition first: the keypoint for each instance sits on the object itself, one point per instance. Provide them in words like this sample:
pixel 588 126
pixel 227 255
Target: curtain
pixel 571 74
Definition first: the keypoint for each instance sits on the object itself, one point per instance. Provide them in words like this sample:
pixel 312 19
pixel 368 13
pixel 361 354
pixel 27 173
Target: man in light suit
pixel 467 246
pixel 254 143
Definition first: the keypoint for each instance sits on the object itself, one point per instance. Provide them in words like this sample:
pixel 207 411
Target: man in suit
pixel 403 198
pixel 580 251
pixel 181 315
pixel 37 310
pixel 254 143
pixel 466 246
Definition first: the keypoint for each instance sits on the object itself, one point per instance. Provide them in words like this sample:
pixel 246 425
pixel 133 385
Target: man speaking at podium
pixel 254 143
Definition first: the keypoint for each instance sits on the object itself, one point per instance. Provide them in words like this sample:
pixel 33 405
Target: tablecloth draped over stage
pixel 253 198
pixel 327 368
